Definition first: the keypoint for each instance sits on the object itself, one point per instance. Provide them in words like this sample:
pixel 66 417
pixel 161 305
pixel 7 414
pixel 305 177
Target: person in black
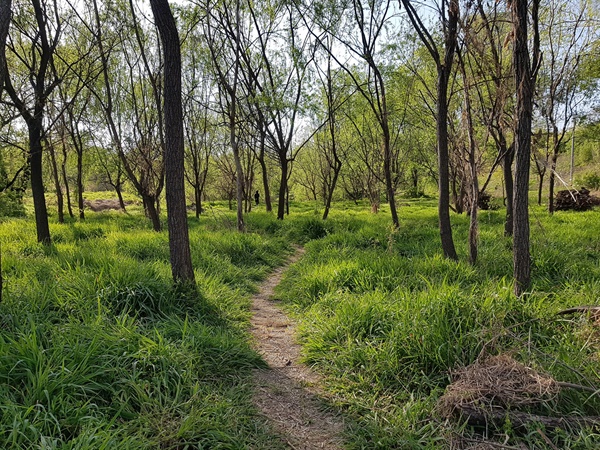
pixel 256 197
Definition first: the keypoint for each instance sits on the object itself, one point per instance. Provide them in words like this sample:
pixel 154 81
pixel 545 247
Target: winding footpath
pixel 288 393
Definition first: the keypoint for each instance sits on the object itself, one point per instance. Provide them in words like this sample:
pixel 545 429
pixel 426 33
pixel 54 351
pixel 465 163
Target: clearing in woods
pixel 288 392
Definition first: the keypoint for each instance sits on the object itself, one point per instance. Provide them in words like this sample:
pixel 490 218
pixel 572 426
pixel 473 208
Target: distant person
pixel 256 197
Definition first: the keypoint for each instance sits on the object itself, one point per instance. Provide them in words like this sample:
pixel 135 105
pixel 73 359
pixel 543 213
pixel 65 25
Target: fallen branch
pixel 594 310
pixel 499 416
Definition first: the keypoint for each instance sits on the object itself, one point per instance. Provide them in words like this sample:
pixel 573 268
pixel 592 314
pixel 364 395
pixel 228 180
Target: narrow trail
pixel 288 393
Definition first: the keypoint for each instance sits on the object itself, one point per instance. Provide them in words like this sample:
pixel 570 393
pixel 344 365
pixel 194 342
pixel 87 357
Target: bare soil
pixel 288 393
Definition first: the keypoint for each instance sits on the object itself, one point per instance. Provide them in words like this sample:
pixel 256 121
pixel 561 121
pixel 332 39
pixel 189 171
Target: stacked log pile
pixel 576 200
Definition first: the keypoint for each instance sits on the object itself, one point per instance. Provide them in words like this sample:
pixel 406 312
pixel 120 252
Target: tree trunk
pixel 151 211
pixel 37 180
pixel 239 175
pixel 336 172
pixel 60 202
pixel 507 161
pixel 281 201
pixel 120 195
pixel 443 161
pixel 540 187
pixel 80 181
pixel 265 176
pixel 198 200
pixel 524 106
pixel 387 152
pixel 553 163
pixel 5 15
pixel 179 243
pixel 65 178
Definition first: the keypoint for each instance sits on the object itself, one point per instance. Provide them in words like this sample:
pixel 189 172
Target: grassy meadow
pixel 388 320
pixel 99 351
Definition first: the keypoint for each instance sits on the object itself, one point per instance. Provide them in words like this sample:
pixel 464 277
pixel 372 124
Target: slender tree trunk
pixel 387 152
pixel 65 178
pixel 540 187
pixel 524 106
pixel 60 202
pixel 120 196
pixel 80 185
pixel 281 201
pixel 37 180
pixel 507 162
pixel 553 163
pixel 336 172
pixel 198 200
pixel 239 171
pixel 5 15
pixel 443 162
pixel 287 199
pixel 179 243
pixel 151 211
pixel 265 175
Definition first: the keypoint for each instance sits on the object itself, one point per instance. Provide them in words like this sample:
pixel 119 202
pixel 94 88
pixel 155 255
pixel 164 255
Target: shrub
pixel 590 180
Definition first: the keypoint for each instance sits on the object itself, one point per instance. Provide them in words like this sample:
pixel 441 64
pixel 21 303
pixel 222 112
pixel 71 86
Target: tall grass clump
pixel 389 321
pixel 99 350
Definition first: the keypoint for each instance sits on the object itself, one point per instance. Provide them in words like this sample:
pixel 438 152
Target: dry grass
pixel 496 381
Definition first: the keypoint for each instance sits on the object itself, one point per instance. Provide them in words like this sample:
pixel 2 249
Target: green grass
pixel 98 350
pixel 387 319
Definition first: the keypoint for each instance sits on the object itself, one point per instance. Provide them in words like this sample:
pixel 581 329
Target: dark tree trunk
pixel 524 80
pixel 387 152
pixel 5 15
pixel 540 187
pixel 179 243
pixel 80 184
pixel 265 174
pixel 507 162
pixel 65 178
pixel 443 163
pixel 281 201
pixel 60 202
pixel 553 163
pixel 120 195
pixel 43 50
pixel 37 180
pixel 287 199
pixel 444 68
pixel 198 200
pixel 331 188
pixel 151 211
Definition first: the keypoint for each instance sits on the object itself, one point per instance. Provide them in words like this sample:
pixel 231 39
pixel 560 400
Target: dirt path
pixel 288 393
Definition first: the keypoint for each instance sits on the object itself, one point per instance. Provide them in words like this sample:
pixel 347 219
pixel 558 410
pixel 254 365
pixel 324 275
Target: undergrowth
pixel 388 320
pixel 99 351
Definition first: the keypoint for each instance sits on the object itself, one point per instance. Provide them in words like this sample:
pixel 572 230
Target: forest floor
pixel 288 392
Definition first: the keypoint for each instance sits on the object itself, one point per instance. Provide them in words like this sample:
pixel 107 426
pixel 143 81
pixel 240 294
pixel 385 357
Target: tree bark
pixel 525 89
pixel 60 200
pixel 5 15
pixel 553 163
pixel 179 243
pixel 33 117
pixel 265 173
pixel 444 67
pixel 443 162
pixel 65 178
pixel 37 180
pixel 507 162
pixel 281 201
